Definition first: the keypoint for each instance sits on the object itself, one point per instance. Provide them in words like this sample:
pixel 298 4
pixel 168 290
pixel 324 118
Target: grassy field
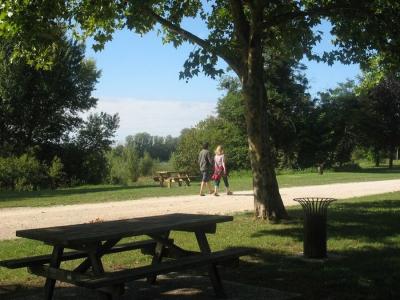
pixel 148 188
pixel 363 234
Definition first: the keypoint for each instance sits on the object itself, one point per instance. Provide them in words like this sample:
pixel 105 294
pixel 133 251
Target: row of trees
pixel 349 121
pixel 307 132
pixel 157 147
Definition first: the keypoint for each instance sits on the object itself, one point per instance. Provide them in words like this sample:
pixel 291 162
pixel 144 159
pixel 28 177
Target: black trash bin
pixel 315 210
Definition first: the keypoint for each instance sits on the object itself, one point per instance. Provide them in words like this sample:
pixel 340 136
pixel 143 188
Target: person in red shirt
pixel 220 171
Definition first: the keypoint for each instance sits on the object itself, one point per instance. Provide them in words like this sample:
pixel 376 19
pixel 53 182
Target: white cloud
pixel 161 118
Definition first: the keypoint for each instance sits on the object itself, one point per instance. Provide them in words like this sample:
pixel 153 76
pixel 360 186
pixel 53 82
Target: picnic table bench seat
pixel 147 246
pixel 123 276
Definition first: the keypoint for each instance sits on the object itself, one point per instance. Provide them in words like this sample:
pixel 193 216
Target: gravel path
pixel 12 219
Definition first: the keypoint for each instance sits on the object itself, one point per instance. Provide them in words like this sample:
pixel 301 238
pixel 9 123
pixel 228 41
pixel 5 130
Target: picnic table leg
pixel 55 263
pixel 86 264
pixel 212 269
pixel 158 255
pixel 97 266
pixel 94 260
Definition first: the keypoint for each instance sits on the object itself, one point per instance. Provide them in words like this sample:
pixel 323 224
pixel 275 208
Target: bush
pixel 132 162
pixel 146 165
pixel 351 166
pixel 118 170
pixel 361 154
pixel 24 173
pixel 123 165
pixel 55 172
pixel 8 173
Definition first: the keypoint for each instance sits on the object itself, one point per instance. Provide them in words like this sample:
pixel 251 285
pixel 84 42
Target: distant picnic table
pixel 92 241
pixel 169 177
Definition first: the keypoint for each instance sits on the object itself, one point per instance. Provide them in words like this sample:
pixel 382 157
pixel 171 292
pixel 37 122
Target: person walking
pixel 205 163
pixel 220 171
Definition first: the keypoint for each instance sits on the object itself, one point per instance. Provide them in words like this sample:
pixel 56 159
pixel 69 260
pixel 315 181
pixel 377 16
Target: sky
pixel 140 82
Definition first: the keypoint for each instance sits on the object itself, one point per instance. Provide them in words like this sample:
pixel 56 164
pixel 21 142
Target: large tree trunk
pixel 267 199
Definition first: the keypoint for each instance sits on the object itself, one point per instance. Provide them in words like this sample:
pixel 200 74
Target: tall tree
pixel 239 33
pixel 337 118
pixel 39 106
pixel 380 123
pixel 84 156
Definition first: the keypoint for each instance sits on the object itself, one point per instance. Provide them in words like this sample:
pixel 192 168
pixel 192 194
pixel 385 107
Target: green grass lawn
pixel 363 234
pixel 148 188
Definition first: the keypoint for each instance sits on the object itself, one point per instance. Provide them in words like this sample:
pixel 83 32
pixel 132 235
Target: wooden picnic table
pixel 92 241
pixel 172 176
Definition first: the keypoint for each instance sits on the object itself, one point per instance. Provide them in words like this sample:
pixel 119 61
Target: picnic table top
pixel 100 231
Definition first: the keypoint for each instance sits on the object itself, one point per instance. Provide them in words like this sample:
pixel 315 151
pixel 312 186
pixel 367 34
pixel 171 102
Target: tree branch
pixel 321 11
pixel 193 39
pixel 242 27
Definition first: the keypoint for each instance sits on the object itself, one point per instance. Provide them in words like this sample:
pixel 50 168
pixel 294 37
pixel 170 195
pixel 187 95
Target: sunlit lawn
pixel 363 234
pixel 146 187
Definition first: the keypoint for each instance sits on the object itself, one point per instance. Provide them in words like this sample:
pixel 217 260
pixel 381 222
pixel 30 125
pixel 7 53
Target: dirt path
pixel 12 219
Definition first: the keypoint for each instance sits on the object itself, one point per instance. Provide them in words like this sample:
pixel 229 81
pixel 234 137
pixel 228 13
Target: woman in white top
pixel 220 171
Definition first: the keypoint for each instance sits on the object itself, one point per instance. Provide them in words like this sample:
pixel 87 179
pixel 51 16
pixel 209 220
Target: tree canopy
pixel 43 106
pixel 360 27
pixel 380 124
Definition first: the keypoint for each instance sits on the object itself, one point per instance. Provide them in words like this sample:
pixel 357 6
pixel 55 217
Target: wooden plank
pixel 107 279
pixel 82 234
pixel 146 246
pixel 59 274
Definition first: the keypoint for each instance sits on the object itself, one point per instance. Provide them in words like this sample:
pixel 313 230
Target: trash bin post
pixel 315 212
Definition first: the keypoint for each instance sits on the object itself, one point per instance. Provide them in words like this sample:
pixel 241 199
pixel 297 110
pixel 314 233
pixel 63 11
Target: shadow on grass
pixel 366 237
pixel 173 286
pixel 13 195
pixel 369 222
pixel 375 170
pixel 359 274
